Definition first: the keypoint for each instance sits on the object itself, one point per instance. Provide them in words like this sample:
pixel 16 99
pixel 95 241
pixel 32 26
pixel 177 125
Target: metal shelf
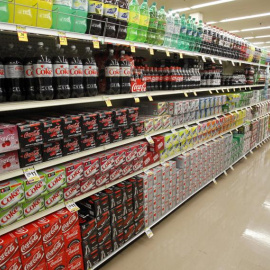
pixel 32 104
pixel 79 36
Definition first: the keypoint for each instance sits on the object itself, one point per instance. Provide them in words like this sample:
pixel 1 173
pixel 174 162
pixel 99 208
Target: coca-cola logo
pixel 127 169
pixel 70 223
pixel 91 169
pixel 55 148
pixel 62 70
pixel 33 207
pixel 55 228
pixel 116 174
pixel 70 192
pixel 12 213
pixel 112 71
pixel 36 258
pixel 9 137
pixel 90 71
pixel 102 179
pixel 43 70
pixel 90 123
pixel 34 133
pixel 138 87
pixel 36 189
pixel 73 126
pixel 31 154
pixel 8 253
pixel 75 266
pixel 72 144
pixel 15 194
pixel 10 159
pixel 2 72
pixel 29 72
pixel 88 185
pixel 76 173
pixel 56 181
pixel 56 261
pixel 76 70
pixel 55 197
pixel 103 137
pixel 53 129
pixel 107 164
pixel 32 241
pixel 15 267
pixel 54 251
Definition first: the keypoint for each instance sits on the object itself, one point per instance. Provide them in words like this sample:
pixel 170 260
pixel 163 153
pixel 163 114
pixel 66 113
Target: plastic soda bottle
pixel 199 35
pixel 176 31
pixel 161 15
pixel 43 74
pixel 153 24
pixel 78 19
pixel 144 22
pixel 2 82
pixel 42 13
pixel 20 14
pixel 110 14
pixel 134 20
pixel 169 29
pixel 61 12
pixel 28 74
pixel 125 74
pixel 189 33
pixel 123 15
pixel 183 32
pixel 4 11
pixel 95 15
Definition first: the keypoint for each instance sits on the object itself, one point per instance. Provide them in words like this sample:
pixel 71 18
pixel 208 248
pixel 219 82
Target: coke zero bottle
pixel 112 73
pixel 90 74
pixel 125 73
pixel 61 74
pixel 75 74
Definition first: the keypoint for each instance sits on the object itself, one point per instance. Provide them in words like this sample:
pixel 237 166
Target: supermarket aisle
pixel 225 226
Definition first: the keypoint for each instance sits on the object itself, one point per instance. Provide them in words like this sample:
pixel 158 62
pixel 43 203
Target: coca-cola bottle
pixel 148 79
pixel 156 78
pixel 43 74
pixel 75 74
pixel 61 74
pixel 181 78
pixel 172 85
pixel 125 73
pixel 14 76
pixel 90 74
pixel 112 73
pixel 185 78
pixel 160 78
pixel 165 79
pixel 2 82
pixel 28 74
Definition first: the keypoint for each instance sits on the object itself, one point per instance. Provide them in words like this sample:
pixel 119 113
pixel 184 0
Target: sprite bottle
pixel 161 15
pixel 153 23
pixel 144 22
pixel 134 19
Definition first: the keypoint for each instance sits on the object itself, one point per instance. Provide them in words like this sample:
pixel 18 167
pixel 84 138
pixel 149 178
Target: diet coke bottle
pixel 43 74
pixel 75 74
pixel 28 74
pixel 2 82
pixel 112 73
pixel 125 73
pixel 90 74
pixel 61 74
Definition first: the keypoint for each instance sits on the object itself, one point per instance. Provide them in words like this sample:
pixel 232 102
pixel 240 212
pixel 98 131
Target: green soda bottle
pixel 176 31
pixel 134 19
pixel 194 35
pixel 4 12
pixel 161 15
pixel 153 23
pixel 183 32
pixel 144 22
pixel 189 33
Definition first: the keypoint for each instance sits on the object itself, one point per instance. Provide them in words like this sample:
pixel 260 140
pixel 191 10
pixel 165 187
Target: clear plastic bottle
pixel 144 22
pixel 153 24
pixel 169 29
pixel 176 31
pixel 183 32
pixel 28 74
pixel 161 15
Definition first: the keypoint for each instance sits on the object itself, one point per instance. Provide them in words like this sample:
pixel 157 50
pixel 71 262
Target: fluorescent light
pixel 258 43
pixel 263 36
pixel 267 42
pixel 210 22
pixel 246 17
pixel 234 31
pixel 180 10
pixel 249 37
pixel 211 3
pixel 255 29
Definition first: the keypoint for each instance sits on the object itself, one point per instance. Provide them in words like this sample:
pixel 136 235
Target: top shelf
pixel 87 37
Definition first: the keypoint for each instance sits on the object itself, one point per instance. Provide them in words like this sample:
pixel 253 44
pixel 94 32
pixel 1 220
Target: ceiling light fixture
pixel 249 37
pixel 180 10
pixel 246 17
pixel 266 36
pixel 211 4
pixel 255 29
pixel 258 43
pixel 211 22
pixel 234 31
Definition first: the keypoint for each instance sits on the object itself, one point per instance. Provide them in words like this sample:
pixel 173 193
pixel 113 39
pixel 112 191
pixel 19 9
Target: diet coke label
pixel 28 71
pixel 112 71
pixel 2 72
pixel 54 198
pixel 90 71
pixel 125 72
pixel 43 70
pixel 76 70
pixel 61 70
pixel 88 184
pixel 11 215
pixel 11 198
pixel 72 191
pixel 35 189
pixel 13 71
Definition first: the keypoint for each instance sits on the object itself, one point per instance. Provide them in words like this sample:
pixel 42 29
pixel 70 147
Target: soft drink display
pixel 61 74
pixel 94 21
pixel 123 17
pixel 110 14
pixel 125 74
pixel 144 22
pixel 134 20
pixel 62 15
pixel 43 74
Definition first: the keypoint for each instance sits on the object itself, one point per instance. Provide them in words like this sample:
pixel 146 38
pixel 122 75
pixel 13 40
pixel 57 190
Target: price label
pixel 233 89
pixel 232 168
pixel 228 90
pixel 214 181
pixel 62 38
pixel 203 58
pixel 195 94
pixel 167 53
pixel 233 63
pixel 185 93
pixel 148 172
pixel 222 90
pixel 150 98
pixel 220 61
pixel 217 91
pixel 149 139
pixel 149 232
pixel 240 64
pixel 245 88
pixel 212 59
pixel 137 99
pixel 132 48
pixel 181 55
pixel 225 173
pixel 31 174
pixel 173 131
pixel 251 151
pixel 72 206
pixel 210 92
pixel 249 88
pixel 22 34
pixel 108 101
pixel 151 50
pixel 245 157
pixel 96 44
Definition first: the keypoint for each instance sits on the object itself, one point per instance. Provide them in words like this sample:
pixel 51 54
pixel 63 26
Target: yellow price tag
pixel 181 55
pixel 212 59
pixel 203 58
pixel 222 90
pixel 22 34
pixel 195 94
pixel 149 233
pixel 210 92
pixel 167 53
pixel 149 139
pixel 233 89
pixel 233 63
pixel 96 44
pixel 240 64
pixel 150 98
pixel 72 206
pixel 137 100
pixel 228 90
pixel 151 51
pixel 217 91
pixel 220 62
pixel 186 95
pixel 108 101
pixel 132 48
pixel 31 175
pixel 62 38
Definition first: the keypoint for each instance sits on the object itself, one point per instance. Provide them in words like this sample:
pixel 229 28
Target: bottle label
pixel 123 14
pixel 95 7
pixel 80 4
pixel 110 10
pixel 189 32
pixel 62 2
pixel 134 17
pixel 61 70
pixel 90 71
pixel 76 70
pixel 2 72
pixel 166 78
pixel 28 71
pixel 161 25
pixel 144 20
pixel 14 71
pixel 153 23
pixel 176 29
pixel 112 71
pixel 125 72
pixel 43 70
pixel 183 30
